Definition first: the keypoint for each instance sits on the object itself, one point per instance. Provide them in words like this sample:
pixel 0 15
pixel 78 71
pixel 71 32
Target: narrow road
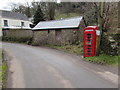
pixel 40 67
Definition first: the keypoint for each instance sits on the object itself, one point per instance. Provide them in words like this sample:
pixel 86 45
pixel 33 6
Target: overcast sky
pixel 5 4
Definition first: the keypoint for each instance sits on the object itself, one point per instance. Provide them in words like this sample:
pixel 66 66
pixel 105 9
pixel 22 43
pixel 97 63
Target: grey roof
pixel 59 24
pixel 13 15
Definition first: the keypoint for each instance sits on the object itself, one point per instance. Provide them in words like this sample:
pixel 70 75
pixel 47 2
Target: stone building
pixel 64 31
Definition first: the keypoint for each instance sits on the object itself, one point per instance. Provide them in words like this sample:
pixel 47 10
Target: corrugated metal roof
pixel 13 15
pixel 59 24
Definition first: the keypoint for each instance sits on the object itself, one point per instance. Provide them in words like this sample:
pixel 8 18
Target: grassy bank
pixel 74 49
pixel 3 71
pixel 78 49
pixel 69 15
pixel 105 59
pixel 4 74
pixel 0 76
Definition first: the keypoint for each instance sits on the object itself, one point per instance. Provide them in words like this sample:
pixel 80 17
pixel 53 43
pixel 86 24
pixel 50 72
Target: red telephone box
pixel 90 41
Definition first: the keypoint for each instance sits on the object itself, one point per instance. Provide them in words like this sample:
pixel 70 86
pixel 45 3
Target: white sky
pixel 5 4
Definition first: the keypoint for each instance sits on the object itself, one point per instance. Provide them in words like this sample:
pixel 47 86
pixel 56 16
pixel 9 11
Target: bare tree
pixel 107 17
pixel 50 11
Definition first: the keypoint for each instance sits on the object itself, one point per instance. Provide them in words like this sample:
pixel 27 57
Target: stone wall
pixel 66 36
pixel 44 37
pixel 17 33
pixel 59 37
pixel 22 36
pixel 80 31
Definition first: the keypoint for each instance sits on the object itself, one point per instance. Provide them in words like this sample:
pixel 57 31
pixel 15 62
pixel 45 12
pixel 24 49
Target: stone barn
pixel 64 31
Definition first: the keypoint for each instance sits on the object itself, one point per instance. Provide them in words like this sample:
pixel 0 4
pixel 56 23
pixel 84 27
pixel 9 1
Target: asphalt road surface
pixel 40 67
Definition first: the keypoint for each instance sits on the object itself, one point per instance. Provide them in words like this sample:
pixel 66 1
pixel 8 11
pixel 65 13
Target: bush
pixel 106 46
pixel 35 44
pixel 117 39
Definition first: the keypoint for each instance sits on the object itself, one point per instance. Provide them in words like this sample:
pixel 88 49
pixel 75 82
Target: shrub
pixel 106 46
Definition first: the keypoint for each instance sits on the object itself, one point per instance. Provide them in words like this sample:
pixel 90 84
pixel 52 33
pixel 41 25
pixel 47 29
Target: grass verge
pixel 105 59
pixel 69 15
pixel 4 74
pixel 78 49
pixel 74 49
pixel 3 71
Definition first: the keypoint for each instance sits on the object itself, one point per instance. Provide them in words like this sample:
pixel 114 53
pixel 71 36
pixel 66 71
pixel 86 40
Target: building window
pixel 5 23
pixel 22 24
